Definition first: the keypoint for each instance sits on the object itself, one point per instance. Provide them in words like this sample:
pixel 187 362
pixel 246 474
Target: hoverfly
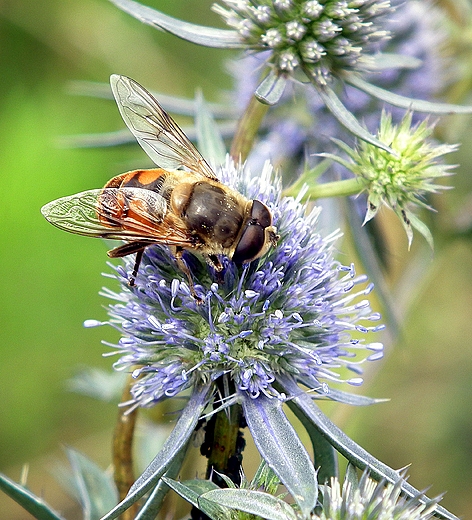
pixel 181 203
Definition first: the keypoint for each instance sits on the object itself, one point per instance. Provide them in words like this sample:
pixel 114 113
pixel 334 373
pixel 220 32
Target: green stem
pixel 224 448
pixel 247 129
pixel 224 442
pixel 122 450
pixel 329 189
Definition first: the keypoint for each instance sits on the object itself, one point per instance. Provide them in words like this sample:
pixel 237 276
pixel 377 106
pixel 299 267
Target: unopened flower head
pixel 403 181
pixel 370 499
pixel 292 312
pixel 323 38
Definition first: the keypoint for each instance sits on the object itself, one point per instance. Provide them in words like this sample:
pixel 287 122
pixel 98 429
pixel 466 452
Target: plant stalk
pixel 342 188
pixel 123 473
pixel 247 129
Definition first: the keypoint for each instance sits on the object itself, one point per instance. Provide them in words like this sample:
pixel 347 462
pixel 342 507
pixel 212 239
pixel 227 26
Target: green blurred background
pixel 50 279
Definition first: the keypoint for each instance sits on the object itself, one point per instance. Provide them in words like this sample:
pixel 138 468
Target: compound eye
pixel 260 213
pixel 250 244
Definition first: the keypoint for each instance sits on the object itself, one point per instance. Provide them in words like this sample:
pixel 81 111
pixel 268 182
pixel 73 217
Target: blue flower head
pixel 307 127
pixel 324 39
pixel 291 313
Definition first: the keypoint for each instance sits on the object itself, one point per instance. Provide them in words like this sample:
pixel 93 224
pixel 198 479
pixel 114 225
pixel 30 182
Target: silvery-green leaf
pixel 352 399
pixel 199 34
pixel 417 105
pixel 325 456
pixel 120 137
pixel 209 140
pixel 192 492
pixel 347 119
pixel 175 443
pixel 31 503
pixel 386 60
pixel 200 486
pixel 253 502
pixel 95 488
pixel 354 453
pixel 153 504
pixel 98 384
pixel 271 88
pixel 282 449
pixel 185 491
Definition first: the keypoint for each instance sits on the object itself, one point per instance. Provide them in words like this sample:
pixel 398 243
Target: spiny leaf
pixel 271 88
pixel 253 502
pixel 199 34
pixel 175 443
pixel 354 453
pixel 347 119
pixel 416 105
pixel 27 500
pixel 281 448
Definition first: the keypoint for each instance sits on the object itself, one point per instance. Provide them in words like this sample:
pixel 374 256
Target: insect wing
pixel 157 133
pixel 116 213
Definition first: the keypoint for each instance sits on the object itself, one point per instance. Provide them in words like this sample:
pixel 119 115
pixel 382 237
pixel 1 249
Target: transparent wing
pixel 156 132
pixel 118 213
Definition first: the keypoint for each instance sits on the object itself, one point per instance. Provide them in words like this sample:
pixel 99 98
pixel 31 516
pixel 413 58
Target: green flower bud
pixel 400 181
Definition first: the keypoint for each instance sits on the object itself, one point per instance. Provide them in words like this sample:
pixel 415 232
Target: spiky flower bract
pixel 369 500
pixel 401 182
pixel 292 313
pixel 322 39
pixel 363 499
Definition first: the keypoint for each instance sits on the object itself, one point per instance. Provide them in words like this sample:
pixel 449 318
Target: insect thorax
pixel 214 214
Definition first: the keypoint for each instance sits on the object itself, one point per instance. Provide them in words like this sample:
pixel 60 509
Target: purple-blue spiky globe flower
pixel 296 311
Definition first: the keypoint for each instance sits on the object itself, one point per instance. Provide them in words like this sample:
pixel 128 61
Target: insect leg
pixel 184 268
pixel 132 278
pixel 214 262
pixel 128 249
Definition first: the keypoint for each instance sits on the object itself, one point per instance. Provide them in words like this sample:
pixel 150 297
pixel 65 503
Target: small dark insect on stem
pixel 224 442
